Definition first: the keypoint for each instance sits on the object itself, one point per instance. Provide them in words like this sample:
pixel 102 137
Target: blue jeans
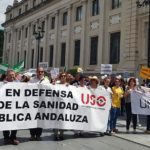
pixel 114 113
pixel 108 123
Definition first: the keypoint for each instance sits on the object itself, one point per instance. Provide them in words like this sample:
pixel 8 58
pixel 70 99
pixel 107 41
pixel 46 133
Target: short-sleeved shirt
pixel 36 80
pixel 116 97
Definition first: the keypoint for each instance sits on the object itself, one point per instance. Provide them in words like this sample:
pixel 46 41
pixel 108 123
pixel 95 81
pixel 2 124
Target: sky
pixel 3 6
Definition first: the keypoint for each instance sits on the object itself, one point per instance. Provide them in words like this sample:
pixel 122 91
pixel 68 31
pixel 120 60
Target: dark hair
pixel 132 79
pixel 62 74
pixel 3 76
pixel 81 77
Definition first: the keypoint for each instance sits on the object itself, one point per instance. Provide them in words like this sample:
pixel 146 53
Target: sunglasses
pixel 40 71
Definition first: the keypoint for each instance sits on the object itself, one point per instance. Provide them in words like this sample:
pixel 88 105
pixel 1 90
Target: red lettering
pixel 93 99
pixel 85 101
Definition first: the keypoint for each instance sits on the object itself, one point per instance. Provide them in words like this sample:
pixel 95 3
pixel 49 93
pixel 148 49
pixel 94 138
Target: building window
pixel 25 57
pixel 19 35
pixel 18 57
pixel 34 28
pixel 79 13
pixel 32 58
pixel 63 53
pixel 34 3
pixel 20 11
pixel 51 55
pixel 43 25
pixel 116 4
pixel 94 50
pixel 26 32
pixel 26 7
pixel 115 48
pixel 10 16
pixel 95 7
pixel 53 23
pixel 77 53
pixel 41 54
pixel 9 38
pixel 64 18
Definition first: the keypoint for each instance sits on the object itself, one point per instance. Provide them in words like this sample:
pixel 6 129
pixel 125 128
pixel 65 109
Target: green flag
pixel 3 68
pixel 18 67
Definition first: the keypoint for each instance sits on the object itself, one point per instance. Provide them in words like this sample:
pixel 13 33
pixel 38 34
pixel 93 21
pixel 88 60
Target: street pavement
pixel 140 137
pixel 90 141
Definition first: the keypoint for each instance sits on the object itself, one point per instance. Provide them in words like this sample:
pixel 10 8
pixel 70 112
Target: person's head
pixel 25 78
pixel 77 76
pixel 3 76
pixel 132 82
pixel 63 78
pixel 40 72
pixel 11 76
pixel 117 82
pixel 106 82
pixel 69 78
pixel 94 81
pixel 82 79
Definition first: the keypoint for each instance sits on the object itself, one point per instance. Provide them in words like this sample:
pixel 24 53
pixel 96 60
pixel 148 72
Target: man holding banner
pixel 10 136
pixel 39 78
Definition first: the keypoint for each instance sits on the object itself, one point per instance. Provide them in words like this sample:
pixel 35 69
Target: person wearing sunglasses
pixel 39 78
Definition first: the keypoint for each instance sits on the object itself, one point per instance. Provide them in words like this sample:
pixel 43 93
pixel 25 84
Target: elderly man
pixel 39 78
pixel 10 136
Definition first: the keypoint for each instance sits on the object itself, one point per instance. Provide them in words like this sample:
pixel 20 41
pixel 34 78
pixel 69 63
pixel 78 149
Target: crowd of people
pixel 118 90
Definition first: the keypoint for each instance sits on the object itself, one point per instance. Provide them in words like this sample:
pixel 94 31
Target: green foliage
pixel 72 71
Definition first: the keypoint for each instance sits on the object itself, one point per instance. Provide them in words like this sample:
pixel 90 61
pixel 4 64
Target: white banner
pixel 28 105
pixel 140 103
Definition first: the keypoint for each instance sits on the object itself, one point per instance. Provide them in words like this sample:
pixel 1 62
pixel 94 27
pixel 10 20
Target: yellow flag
pixel 145 73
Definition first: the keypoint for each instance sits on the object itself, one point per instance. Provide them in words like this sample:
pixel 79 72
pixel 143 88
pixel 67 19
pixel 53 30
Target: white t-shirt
pixel 108 89
pixel 36 80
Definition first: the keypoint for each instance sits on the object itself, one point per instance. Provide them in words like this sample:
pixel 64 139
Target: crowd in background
pixel 118 90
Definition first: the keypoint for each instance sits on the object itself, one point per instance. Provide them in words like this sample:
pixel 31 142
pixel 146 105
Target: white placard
pixel 54 73
pixel 44 65
pixel 106 69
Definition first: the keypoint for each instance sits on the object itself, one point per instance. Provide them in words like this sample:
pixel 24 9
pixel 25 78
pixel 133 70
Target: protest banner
pixel 28 105
pixel 140 103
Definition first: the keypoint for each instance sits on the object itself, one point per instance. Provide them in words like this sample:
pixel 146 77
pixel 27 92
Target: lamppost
pixel 39 34
pixel 140 4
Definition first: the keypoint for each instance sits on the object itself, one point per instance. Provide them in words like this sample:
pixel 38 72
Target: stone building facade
pixel 85 33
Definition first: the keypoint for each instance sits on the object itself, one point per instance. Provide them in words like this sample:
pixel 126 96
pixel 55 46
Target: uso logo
pixel 99 101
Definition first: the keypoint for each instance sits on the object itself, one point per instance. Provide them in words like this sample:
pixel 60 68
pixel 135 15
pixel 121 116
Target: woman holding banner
pixel 59 133
pixel 131 86
pixel 116 104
